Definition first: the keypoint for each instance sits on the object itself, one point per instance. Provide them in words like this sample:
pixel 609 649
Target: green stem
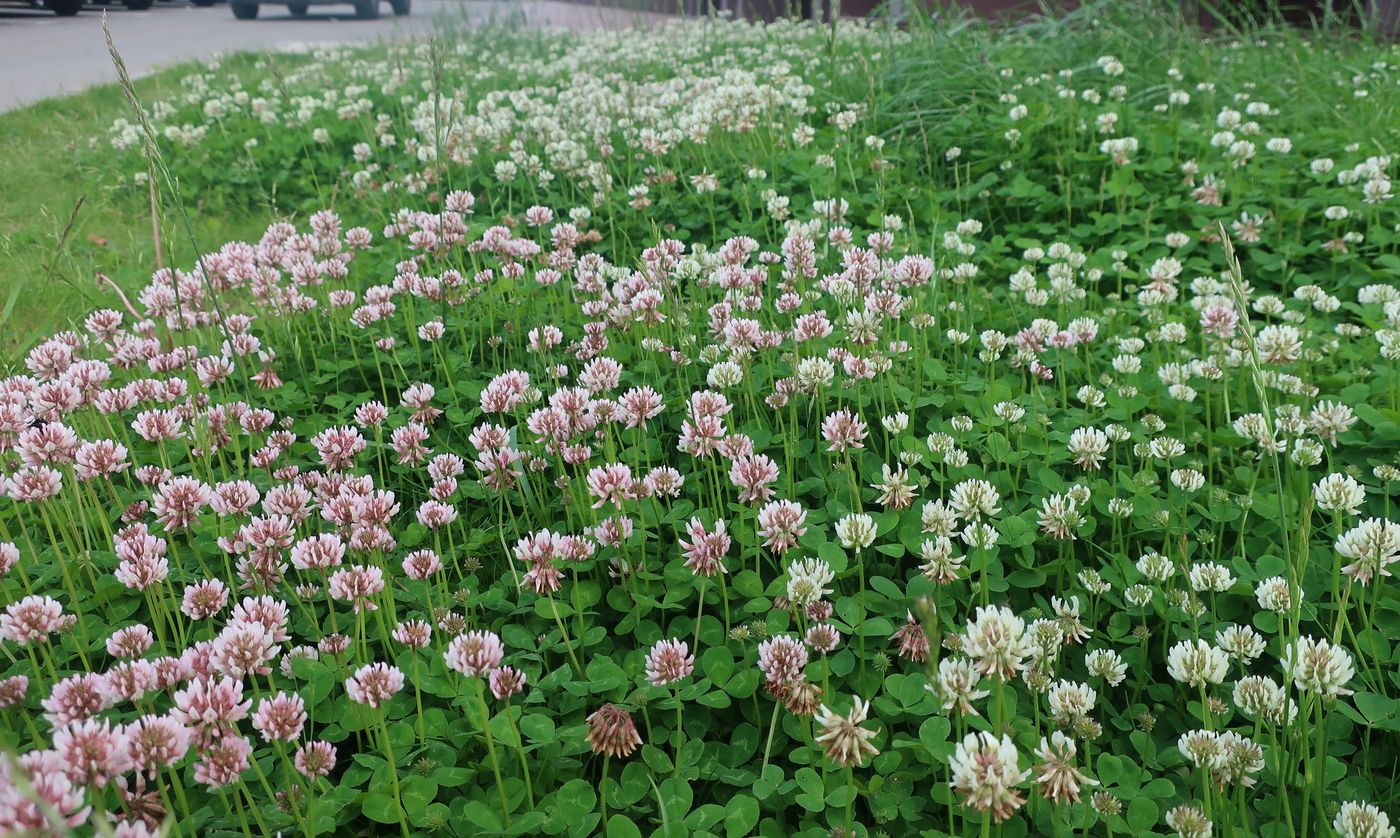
pixel 393 774
pixel 564 636
pixel 1320 768
pixel 524 765
pixel 603 794
pixel 850 797
pixel 680 734
pixel 491 747
pixel 772 728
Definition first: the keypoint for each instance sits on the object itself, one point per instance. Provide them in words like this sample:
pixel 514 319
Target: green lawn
pixel 802 431
pixel 63 219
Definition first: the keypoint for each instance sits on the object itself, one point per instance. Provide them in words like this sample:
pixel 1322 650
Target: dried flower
pixel 611 731
pixel 847 743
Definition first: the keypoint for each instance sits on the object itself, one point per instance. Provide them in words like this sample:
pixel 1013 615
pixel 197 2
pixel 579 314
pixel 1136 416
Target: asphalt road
pixel 42 55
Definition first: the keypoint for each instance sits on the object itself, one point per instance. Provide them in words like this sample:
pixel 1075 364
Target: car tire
pixel 297 9
pixel 245 11
pixel 400 7
pixel 64 8
pixel 138 5
pixel 367 9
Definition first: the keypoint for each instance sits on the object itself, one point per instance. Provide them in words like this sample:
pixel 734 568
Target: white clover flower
pixel 1106 664
pixel 1197 663
pixel 1306 452
pixel 938 518
pixel 980 536
pixel 1071 701
pixel 1316 666
pixel 1060 517
pixel 815 374
pixel 1120 507
pixel 986 772
pixel 807 581
pixel 856 531
pixel 1274 594
pixel 1088 445
pixel 1362 820
pixel 1188 480
pixel 1339 493
pixel 1241 642
pixel 972 499
pixel 1373 545
pixel 956 685
pixel 1009 411
pixel 895 423
pixel 997 641
pixel 1201 748
pixel 725 375
pixel 1263 698
pixel 1212 577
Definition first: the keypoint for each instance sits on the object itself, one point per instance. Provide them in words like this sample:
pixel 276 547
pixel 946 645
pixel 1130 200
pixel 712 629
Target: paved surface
pixel 42 55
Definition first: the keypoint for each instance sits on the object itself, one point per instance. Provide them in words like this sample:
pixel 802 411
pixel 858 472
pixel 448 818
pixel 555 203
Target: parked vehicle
pixel 68 8
pixel 63 8
pixel 364 9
